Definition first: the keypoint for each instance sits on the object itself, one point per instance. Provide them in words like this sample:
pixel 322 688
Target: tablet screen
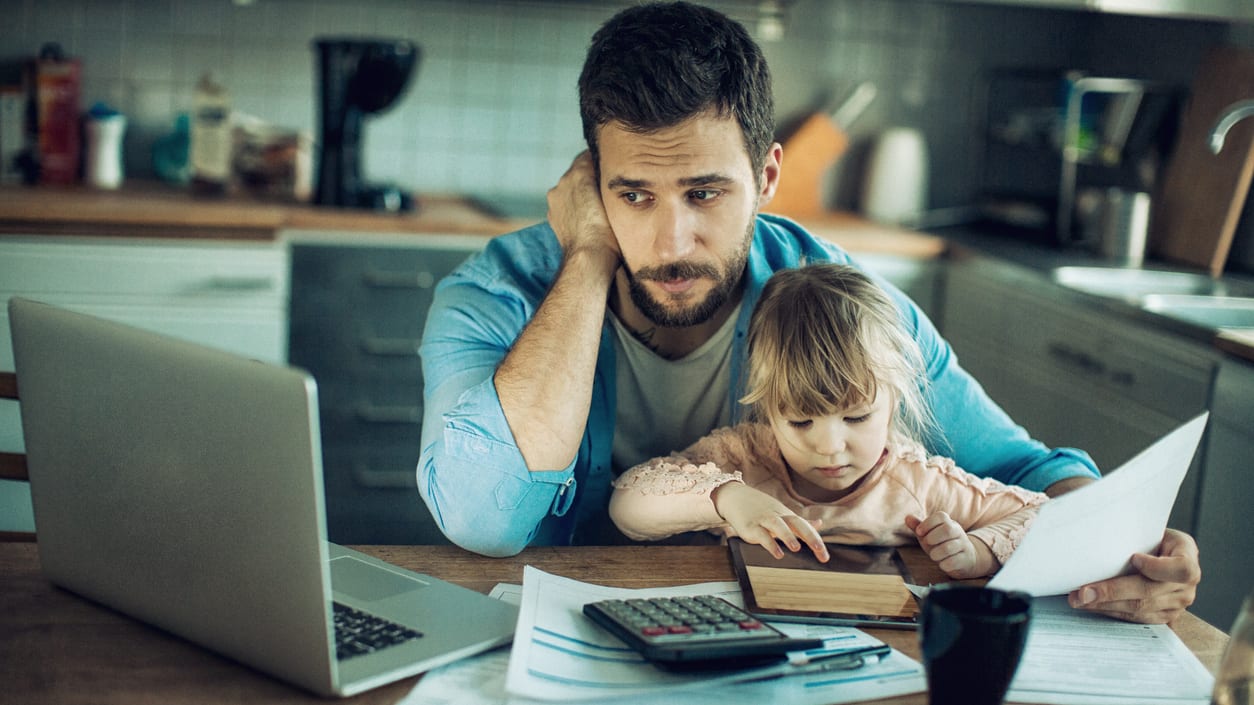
pixel 859 586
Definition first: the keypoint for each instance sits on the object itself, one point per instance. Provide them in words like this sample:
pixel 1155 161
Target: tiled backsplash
pixel 492 106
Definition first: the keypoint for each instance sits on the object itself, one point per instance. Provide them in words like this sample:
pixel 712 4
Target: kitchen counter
pixel 159 210
pixel 1038 260
pixel 152 209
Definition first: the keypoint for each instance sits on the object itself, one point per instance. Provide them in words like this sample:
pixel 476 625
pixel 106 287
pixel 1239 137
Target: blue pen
pixel 808 662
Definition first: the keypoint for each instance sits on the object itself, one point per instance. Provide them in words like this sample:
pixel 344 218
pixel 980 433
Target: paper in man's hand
pixel 1091 533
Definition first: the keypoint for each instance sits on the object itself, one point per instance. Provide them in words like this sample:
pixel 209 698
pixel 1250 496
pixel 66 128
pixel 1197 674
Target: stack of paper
pixel 560 655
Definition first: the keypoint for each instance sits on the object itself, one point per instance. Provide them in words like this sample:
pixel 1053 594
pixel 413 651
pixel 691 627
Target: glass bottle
pixel 211 140
pixel 1236 672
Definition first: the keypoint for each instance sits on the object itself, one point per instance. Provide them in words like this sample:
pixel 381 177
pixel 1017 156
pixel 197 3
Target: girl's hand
pixel 948 544
pixel 759 518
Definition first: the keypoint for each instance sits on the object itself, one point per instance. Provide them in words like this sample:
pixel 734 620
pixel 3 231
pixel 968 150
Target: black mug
pixel 971 639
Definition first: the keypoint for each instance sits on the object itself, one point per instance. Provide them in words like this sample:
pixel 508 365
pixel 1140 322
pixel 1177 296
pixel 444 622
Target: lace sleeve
pixel 664 476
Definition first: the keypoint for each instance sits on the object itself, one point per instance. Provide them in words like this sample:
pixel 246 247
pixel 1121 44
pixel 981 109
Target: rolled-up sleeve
pixel 471 473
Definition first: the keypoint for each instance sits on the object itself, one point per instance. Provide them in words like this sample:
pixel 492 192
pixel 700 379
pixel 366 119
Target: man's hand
pixel 577 214
pixel 759 518
pixel 1165 587
pixel 954 551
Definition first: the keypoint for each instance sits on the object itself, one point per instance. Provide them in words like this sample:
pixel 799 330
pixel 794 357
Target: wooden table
pixel 56 647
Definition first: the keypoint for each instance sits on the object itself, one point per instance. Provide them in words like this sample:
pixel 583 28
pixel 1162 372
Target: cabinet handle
pixel 365 476
pixel 241 283
pixel 391 347
pixel 383 279
pixel 1076 358
pixel 375 413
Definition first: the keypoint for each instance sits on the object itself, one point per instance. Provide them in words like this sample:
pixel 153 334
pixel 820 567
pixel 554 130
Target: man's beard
pixel 725 283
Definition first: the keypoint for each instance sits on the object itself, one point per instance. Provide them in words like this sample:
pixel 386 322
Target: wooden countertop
pixel 159 210
pixel 153 209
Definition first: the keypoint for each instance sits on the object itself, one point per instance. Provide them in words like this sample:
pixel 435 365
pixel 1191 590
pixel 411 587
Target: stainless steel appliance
pixel 1055 140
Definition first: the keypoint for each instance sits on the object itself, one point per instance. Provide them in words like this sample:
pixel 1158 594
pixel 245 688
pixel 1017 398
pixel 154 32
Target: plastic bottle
pixel 210 150
pixel 105 128
pixel 169 152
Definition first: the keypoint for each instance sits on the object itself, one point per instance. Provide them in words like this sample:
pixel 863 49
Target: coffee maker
pixel 357 78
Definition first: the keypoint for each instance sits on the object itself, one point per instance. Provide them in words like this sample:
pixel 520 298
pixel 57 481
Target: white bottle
pixel 211 150
pixel 103 167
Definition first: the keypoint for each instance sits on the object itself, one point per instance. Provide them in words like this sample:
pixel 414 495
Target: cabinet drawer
pixel 386 285
pixel 357 317
pixel 1080 346
pixel 355 348
pixel 372 498
pixel 383 410
pixel 202 271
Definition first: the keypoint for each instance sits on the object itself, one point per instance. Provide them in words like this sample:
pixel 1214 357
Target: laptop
pixel 182 485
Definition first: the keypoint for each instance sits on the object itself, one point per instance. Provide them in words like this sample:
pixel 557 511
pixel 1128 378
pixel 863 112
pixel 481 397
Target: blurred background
pixel 492 109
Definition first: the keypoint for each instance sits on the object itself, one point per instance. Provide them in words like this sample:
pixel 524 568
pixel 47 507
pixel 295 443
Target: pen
pixel 824 662
pixel 837 660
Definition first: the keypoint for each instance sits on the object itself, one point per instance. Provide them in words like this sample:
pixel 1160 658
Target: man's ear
pixel 770 173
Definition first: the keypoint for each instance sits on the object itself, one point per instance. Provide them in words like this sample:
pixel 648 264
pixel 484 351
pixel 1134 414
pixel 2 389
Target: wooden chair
pixel 12 465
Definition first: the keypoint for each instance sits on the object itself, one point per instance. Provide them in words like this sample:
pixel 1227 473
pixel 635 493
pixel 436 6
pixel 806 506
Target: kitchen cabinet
pixel 229 295
pixel 1075 375
pixel 358 309
pixel 1225 540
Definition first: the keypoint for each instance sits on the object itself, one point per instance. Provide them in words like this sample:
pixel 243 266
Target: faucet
pixel 1231 115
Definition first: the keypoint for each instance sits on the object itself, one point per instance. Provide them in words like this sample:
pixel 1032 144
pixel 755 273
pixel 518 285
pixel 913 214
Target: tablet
pixel 861 586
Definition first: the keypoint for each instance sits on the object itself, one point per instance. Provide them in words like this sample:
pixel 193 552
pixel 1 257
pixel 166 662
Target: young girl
pixel 834 386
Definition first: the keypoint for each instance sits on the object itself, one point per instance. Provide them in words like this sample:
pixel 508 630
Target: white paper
pixel 481 680
pixel 1075 657
pixel 560 654
pixel 1091 533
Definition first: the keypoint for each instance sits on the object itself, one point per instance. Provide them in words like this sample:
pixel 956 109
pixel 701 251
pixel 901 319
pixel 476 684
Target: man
pixel 569 351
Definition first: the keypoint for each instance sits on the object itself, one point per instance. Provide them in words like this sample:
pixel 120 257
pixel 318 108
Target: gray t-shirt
pixel 666 405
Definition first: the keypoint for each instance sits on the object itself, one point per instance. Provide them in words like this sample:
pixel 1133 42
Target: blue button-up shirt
pixel 473 477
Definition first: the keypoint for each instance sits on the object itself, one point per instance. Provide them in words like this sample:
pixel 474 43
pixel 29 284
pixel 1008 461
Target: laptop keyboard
pixel 358 632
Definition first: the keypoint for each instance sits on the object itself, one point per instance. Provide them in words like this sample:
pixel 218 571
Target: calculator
pixel 695 632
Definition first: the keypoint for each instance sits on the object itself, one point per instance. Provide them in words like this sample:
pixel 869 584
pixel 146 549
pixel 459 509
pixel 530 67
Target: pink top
pixel 670 495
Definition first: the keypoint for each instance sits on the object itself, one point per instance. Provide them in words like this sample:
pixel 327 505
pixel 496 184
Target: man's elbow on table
pixel 471 516
pixel 486 531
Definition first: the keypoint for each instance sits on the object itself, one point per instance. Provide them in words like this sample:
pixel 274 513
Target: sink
pixel 1136 284
pixel 1226 312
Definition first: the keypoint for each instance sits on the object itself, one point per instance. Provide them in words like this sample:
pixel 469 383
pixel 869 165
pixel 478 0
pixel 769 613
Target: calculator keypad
pixel 666 620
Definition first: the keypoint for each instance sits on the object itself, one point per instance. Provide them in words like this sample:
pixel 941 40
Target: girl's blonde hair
pixel 824 338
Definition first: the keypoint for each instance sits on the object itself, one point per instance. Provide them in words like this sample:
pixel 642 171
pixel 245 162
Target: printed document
pixel 1124 512
pixel 559 654
pixel 1079 658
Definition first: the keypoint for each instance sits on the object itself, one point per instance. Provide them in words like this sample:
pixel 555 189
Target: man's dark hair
pixel 654 66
